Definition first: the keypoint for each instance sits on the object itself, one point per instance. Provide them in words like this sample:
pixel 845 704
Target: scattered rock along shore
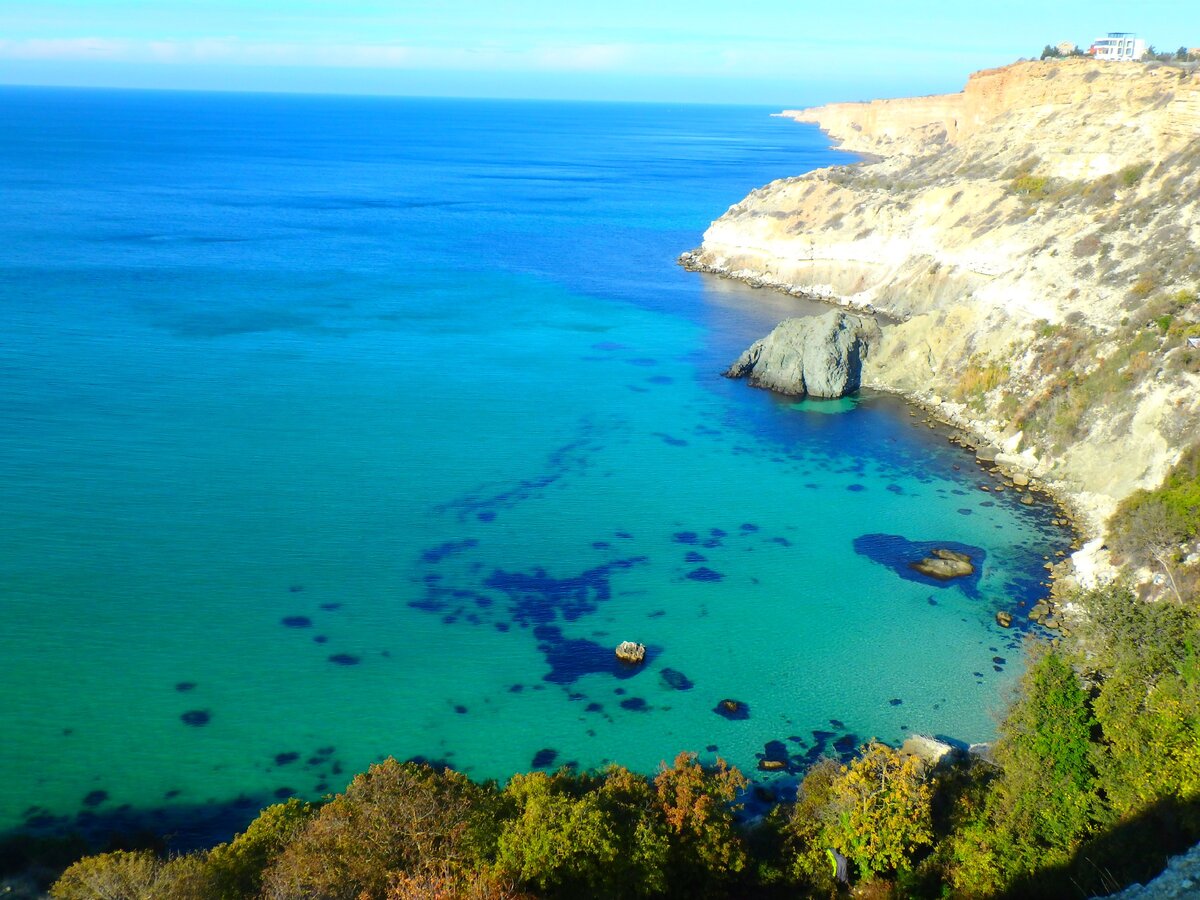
pixel 1031 250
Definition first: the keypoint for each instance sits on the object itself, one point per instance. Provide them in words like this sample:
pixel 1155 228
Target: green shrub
pixel 134 875
pixel 395 817
pixel 236 868
pixel 1131 175
pixel 1030 186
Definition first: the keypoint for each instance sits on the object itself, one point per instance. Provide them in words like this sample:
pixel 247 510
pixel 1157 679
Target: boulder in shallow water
pixel 732 709
pixel 631 653
pixel 929 749
pixel 816 355
pixel 1004 619
pixel 945 564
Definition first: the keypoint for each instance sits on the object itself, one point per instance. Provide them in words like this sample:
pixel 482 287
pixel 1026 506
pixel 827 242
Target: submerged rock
pixel 817 355
pixel 732 709
pixel 945 564
pixel 1004 619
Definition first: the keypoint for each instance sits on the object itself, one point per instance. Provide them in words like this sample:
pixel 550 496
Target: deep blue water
pixel 334 428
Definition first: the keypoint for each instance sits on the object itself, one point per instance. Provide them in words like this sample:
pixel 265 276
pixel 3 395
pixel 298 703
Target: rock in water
pixel 817 355
pixel 629 652
pixel 945 564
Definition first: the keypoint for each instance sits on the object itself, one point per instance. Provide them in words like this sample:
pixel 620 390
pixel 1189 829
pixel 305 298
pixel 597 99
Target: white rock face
pixel 1033 233
pixel 819 355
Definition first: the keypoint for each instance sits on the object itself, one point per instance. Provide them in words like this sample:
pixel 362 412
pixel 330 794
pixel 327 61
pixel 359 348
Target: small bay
pixel 335 428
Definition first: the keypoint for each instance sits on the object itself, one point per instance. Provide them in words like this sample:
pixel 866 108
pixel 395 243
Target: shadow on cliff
pixel 1133 851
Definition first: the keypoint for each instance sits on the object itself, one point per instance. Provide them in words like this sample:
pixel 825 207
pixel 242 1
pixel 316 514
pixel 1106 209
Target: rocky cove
pixel 1027 259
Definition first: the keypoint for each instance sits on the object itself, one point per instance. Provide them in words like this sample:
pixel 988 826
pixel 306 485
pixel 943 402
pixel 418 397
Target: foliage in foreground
pixel 1094 780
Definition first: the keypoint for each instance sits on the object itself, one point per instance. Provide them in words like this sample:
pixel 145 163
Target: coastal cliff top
pixel 1037 235
pixel 1089 118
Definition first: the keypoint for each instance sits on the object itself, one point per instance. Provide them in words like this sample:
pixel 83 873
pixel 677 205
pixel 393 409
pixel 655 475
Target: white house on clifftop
pixel 1119 45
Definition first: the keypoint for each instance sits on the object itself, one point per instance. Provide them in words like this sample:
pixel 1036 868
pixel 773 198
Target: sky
pixel 762 52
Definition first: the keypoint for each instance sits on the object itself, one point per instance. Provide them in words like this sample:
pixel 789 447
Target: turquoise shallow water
pixel 337 428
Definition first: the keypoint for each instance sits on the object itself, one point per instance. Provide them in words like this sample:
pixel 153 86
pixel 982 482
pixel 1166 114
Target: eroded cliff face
pixel 1037 240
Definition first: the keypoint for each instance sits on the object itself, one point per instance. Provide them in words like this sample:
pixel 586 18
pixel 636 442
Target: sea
pixel 337 428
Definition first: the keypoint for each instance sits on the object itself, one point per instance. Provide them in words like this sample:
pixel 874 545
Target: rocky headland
pixel 821 356
pixel 1033 244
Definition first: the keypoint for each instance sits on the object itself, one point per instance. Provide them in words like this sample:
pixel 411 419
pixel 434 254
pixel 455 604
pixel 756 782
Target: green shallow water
pixel 350 448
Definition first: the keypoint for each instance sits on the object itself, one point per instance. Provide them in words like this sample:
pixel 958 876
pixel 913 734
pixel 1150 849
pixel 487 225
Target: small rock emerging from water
pixel 732 709
pixel 631 653
pixel 944 565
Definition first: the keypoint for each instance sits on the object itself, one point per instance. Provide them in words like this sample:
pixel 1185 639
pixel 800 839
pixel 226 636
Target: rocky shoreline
pixel 1010 471
pixel 1032 267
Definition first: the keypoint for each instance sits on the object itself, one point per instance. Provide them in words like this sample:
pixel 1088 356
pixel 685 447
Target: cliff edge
pixel 1036 241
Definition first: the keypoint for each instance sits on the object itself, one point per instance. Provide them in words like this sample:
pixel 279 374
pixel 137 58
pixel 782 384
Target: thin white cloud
pixel 84 48
pixel 229 50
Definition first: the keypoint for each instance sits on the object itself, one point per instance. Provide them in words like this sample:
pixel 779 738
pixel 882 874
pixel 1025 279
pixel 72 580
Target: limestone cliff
pixel 1035 238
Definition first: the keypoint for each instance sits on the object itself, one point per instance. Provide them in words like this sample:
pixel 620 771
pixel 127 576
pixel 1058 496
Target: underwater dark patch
pixel 635 704
pixel 286 759
pixel 296 622
pixel 565 460
pixel 196 717
pixel 184 686
pixel 704 574
pixel 897 553
pixel 344 659
pixel 677 680
pixel 572 658
pixel 95 798
pixel 694 557
pixel 537 598
pixel 448 548
pixel 672 441
pixel 544 758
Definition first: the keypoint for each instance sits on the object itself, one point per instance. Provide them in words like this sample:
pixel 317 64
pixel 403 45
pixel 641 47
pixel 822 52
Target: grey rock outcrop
pixel 1180 880
pixel 817 355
